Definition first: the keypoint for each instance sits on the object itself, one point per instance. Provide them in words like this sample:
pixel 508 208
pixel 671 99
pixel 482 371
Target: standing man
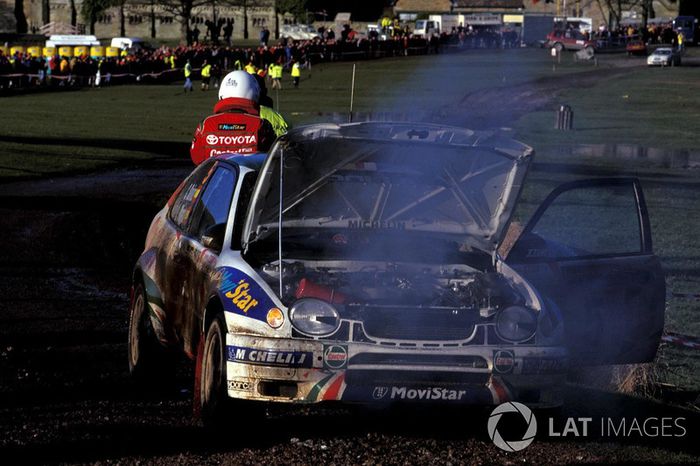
pixel 264 36
pixel 296 73
pixel 206 75
pixel 228 32
pixel 188 77
pixel 276 75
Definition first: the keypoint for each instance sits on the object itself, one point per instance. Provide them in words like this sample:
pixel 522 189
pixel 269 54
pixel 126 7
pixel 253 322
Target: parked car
pixel 569 39
pixel 636 47
pixel 359 263
pixel 130 43
pixel 664 56
pixel 298 31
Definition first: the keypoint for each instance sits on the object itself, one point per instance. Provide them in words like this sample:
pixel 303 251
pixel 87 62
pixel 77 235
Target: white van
pixel 126 43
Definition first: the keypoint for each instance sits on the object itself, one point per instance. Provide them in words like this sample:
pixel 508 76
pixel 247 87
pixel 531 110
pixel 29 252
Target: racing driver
pixel 236 125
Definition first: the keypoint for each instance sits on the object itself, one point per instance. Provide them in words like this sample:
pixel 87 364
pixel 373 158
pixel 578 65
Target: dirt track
pixel 65 395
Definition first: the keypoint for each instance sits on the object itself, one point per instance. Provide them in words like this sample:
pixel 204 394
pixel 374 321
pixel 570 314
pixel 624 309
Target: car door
pixel 588 249
pixel 199 259
pixel 172 279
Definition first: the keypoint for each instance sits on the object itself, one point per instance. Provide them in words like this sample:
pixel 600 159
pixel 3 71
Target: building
pixel 595 9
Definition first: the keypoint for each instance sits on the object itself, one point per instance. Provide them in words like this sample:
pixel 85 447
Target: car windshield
pixel 346 185
pixel 663 52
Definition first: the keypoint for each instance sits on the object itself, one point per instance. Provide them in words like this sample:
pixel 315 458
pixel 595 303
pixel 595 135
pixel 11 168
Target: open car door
pixel 588 248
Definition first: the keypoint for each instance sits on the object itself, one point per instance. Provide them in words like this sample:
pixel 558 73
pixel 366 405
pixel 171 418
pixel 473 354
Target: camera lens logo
pixel 512 445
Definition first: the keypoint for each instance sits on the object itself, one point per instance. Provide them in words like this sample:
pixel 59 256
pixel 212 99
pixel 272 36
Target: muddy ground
pixel 65 395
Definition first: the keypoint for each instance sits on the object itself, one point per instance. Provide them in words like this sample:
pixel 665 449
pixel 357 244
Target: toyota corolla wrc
pixel 359 263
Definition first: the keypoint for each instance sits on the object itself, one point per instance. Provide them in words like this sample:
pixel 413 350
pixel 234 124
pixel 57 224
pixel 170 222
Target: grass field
pixel 92 129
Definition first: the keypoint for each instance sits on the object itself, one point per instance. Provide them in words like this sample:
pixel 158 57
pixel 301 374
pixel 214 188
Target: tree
pixel 91 9
pixel 182 11
pixel 73 14
pixel 46 11
pixel 615 8
pixel 122 16
pixel 20 17
pixel 298 8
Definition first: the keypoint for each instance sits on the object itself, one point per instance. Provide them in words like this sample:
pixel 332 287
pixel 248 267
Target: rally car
pixel 569 39
pixel 359 263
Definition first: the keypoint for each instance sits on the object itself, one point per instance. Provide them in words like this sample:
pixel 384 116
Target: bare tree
pixel 615 8
pixel 73 14
pixel 182 11
pixel 45 11
pixel 20 17
pixel 91 9
pixel 121 4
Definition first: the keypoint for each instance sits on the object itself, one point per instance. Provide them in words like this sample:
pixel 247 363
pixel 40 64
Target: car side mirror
pixel 213 237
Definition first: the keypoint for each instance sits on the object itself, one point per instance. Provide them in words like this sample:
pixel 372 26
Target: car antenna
pixel 352 92
pixel 279 219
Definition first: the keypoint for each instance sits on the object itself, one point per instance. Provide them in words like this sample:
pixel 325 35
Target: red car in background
pixel 568 39
pixel 636 46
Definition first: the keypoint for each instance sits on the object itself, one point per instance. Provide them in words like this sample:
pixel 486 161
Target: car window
pixel 246 193
pixel 591 221
pixel 181 210
pixel 216 201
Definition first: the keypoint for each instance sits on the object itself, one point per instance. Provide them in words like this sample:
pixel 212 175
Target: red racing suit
pixel 235 127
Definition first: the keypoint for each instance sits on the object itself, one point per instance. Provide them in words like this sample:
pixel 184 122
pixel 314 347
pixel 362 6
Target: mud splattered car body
pixel 366 270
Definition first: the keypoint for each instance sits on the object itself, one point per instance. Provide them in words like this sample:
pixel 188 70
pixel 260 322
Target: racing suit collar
pixel 237 104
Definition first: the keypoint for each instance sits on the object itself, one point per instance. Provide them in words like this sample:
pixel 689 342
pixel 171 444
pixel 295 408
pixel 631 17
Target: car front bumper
pixel 311 371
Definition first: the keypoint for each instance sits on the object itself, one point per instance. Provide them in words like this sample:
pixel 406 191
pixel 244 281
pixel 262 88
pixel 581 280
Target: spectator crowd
pixel 165 64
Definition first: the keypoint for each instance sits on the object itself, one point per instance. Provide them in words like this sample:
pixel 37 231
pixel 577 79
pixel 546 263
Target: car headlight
pixel 314 317
pixel 516 324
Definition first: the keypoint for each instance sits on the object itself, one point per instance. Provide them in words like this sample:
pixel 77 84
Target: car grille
pixel 434 360
pixel 418 323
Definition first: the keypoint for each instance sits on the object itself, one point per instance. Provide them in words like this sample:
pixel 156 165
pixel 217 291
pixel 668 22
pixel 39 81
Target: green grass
pixel 77 131
pixel 411 85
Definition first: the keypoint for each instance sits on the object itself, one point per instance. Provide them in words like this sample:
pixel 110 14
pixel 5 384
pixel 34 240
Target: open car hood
pixel 399 177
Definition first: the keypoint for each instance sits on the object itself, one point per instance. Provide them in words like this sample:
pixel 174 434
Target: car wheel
pixel 212 375
pixel 148 359
pixel 558 46
pixel 212 402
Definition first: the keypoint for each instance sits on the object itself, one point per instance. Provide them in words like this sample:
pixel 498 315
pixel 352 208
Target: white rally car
pixel 359 263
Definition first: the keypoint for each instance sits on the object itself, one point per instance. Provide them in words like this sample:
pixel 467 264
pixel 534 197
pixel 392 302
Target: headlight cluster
pixel 516 324
pixel 314 317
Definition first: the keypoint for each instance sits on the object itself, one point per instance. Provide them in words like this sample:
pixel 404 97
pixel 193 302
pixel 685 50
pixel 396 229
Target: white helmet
pixel 239 84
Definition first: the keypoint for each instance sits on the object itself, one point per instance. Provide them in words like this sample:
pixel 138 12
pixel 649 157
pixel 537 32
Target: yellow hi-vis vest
pixel 296 70
pixel 188 70
pixel 250 68
pixel 206 71
pixel 276 120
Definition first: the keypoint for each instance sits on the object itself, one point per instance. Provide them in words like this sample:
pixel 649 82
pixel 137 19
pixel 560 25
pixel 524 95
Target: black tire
pixel 216 409
pixel 148 359
pixel 213 398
